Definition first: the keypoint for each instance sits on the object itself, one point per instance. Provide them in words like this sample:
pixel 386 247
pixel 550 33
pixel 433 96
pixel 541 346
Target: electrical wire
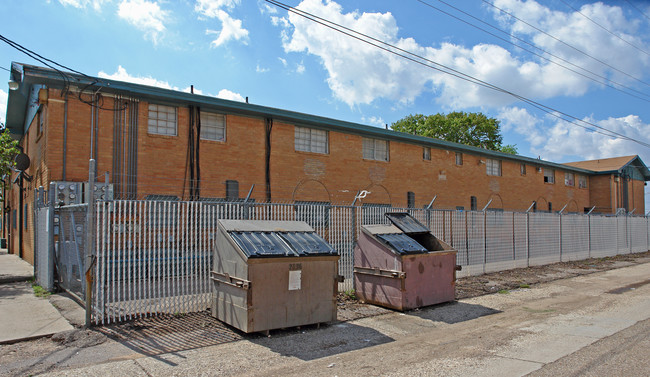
pixel 452 72
pixel 97 103
pixel 564 43
pixel 604 28
pixel 8 70
pixel 605 82
pixel 637 9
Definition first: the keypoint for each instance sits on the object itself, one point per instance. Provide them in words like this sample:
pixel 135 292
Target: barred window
pixel 582 181
pixel 522 169
pixel 311 140
pixel 493 167
pixel 375 149
pixel 568 179
pixel 162 119
pixel 459 158
pixel 426 153
pixel 213 126
pixel 549 175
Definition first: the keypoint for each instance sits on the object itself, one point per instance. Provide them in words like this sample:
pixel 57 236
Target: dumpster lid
pixel 308 243
pixel 402 243
pixel 406 222
pixel 262 244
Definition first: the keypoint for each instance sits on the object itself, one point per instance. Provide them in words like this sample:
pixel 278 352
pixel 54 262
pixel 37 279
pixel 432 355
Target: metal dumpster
pixel 273 274
pixel 403 266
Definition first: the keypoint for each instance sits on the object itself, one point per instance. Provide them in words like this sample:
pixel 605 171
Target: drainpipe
pixel 65 134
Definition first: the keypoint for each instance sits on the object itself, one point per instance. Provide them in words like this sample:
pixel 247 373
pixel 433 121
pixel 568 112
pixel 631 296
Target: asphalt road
pixel 597 325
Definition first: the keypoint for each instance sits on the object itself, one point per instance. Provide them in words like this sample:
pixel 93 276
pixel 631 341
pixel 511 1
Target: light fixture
pixel 13 85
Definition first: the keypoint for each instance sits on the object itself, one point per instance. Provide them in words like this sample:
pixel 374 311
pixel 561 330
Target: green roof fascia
pixel 39 75
pixel 645 172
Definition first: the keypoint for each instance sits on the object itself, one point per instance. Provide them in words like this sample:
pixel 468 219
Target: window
pixel 534 206
pixel 14 216
pixel 213 126
pixel 473 204
pixel 568 179
pixel 460 208
pixel 459 158
pixel 232 190
pixel 41 122
pixel 522 169
pixel 24 214
pixel 311 140
pixel 493 167
pixel 550 207
pixel 426 153
pixel 549 175
pixel 582 181
pixel 162 120
pixel 410 199
pixel 375 149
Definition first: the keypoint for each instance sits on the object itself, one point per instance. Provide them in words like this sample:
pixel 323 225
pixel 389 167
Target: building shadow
pixel 452 312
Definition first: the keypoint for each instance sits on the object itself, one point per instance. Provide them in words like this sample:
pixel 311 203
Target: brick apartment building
pixel 162 144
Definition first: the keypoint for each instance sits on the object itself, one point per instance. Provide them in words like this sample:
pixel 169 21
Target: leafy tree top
pixel 473 129
pixel 8 150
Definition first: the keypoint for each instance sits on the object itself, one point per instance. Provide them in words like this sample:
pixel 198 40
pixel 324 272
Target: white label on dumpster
pixel 294 280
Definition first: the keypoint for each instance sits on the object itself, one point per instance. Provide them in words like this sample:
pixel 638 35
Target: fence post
pixel 50 234
pixel 527 239
pixel 589 235
pixel 90 247
pixel 560 237
pixel 484 240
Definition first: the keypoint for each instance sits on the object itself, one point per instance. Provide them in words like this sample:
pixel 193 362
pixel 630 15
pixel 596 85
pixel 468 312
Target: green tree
pixel 473 129
pixel 8 150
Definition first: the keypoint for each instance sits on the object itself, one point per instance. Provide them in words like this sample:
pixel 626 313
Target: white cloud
pixel 267 9
pixel 300 68
pixel 227 94
pixel 360 74
pixel 123 75
pixel 3 105
pixel 283 61
pixel 259 69
pixel 375 121
pixel 82 4
pixel 145 15
pixel 231 28
pixel 555 140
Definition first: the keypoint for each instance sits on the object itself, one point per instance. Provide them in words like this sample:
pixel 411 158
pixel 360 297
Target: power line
pixel 605 82
pixel 564 43
pixel 452 72
pixel 604 28
pixel 8 70
pixel 637 9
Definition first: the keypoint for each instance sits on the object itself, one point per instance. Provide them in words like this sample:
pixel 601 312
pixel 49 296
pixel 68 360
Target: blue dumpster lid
pixel 308 243
pixel 406 223
pixel 262 244
pixel 402 243
pixel 281 244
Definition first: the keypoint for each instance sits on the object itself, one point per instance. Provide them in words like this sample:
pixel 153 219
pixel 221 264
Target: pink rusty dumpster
pixel 403 265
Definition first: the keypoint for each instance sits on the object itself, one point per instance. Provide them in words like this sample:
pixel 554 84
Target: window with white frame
pixel 213 126
pixel 310 140
pixel 162 119
pixel 582 181
pixel 375 149
pixel 569 179
pixel 493 167
pixel 426 153
pixel 549 175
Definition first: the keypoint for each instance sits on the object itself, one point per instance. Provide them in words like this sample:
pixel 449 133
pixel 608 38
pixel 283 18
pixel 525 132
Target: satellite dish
pixel 22 161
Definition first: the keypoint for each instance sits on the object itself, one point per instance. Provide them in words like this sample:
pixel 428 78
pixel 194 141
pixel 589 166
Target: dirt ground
pixel 173 333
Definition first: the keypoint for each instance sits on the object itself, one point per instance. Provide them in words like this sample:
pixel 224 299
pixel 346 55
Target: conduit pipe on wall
pixel 65 135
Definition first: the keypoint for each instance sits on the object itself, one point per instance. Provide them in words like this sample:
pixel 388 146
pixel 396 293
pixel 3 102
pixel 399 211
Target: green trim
pixel 33 75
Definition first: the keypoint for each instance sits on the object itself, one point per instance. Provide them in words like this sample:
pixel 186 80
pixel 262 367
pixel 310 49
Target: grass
pixel 524 285
pixel 350 294
pixel 538 310
pixel 504 292
pixel 40 291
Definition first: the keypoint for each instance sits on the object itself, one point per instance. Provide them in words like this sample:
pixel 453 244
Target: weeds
pixel 40 291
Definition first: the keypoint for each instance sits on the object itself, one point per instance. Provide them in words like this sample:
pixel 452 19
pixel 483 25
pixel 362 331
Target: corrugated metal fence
pixel 155 256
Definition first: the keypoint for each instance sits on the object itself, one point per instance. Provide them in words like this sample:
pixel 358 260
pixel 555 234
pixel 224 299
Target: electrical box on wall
pixel 102 191
pixel 67 193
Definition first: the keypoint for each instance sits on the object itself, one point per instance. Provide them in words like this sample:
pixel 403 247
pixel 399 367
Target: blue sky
pixel 236 49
